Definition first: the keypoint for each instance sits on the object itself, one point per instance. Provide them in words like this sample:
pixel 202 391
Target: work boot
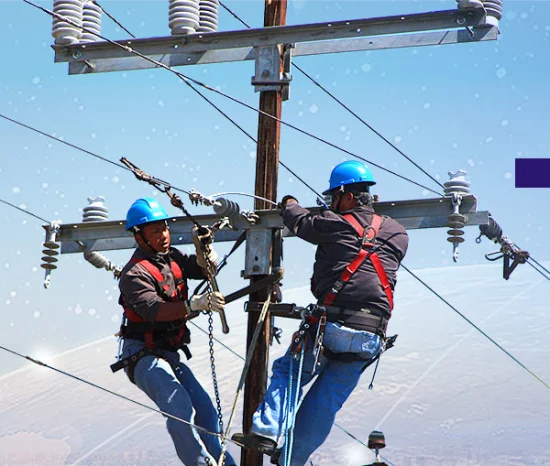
pixel 276 456
pixel 256 442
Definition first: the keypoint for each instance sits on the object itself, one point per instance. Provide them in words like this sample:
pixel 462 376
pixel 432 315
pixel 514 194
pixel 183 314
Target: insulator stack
pixel 91 20
pixel 63 32
pixel 50 252
pixel 96 211
pixel 183 16
pixel 208 15
pixel 455 188
pixel 492 230
pixel 226 208
pixel 494 9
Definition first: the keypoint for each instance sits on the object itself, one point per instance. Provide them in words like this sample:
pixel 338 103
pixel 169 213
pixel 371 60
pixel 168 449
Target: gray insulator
pixel 62 31
pixel 226 208
pixel 96 211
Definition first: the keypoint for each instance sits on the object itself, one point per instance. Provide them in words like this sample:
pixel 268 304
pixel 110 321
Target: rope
pixel 292 405
pixel 478 329
pixel 244 373
pixel 227 96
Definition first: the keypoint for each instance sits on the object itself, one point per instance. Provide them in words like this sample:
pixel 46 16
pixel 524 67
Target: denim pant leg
pixel 270 417
pixel 155 377
pixel 335 382
pixel 206 415
pixel 318 410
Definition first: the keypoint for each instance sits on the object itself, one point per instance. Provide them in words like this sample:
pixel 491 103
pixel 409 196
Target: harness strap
pixel 362 255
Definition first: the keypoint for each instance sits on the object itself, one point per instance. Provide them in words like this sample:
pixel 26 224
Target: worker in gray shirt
pixel 154 296
pixel 354 275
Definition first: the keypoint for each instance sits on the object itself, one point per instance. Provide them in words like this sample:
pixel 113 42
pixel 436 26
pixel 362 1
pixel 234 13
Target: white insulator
pixel 493 8
pixel 457 184
pixel 96 211
pixel 62 31
pixel 208 15
pixel 92 22
pixel 183 16
pixel 97 260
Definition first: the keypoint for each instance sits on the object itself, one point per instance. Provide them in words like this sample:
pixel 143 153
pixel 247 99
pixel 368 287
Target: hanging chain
pixel 212 360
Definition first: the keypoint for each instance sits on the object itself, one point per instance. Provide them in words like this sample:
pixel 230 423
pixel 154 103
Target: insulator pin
pixel 50 252
pixel 455 188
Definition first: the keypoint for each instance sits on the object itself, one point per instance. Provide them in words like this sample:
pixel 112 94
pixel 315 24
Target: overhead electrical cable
pixel 74 146
pixel 538 269
pixel 517 361
pixel 118 395
pixel 343 105
pixel 113 19
pixel 227 96
pixel 24 211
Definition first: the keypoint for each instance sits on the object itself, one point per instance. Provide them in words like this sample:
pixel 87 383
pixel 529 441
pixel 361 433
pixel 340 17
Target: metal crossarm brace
pixel 309 39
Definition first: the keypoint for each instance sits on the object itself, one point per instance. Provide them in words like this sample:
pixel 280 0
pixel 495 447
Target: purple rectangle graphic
pixel 532 173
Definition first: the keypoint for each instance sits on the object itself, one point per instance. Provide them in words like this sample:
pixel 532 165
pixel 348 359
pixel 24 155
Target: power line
pixel 477 328
pixel 74 146
pixel 87 382
pixel 538 270
pixel 113 18
pixel 343 105
pixel 540 265
pixel 24 211
pixel 227 96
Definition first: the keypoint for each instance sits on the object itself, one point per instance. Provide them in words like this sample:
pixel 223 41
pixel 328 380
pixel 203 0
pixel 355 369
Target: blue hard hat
pixel 144 210
pixel 349 172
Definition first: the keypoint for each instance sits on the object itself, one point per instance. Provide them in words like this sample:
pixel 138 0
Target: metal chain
pixel 212 359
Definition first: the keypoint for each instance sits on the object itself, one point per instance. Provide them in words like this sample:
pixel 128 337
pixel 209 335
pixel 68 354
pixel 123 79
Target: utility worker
pixel 153 293
pixel 358 254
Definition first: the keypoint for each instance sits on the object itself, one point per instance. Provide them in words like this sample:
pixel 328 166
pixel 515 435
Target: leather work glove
pixel 285 200
pixel 202 239
pixel 199 302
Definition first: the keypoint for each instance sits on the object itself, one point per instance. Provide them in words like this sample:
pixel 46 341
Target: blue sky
pixel 474 106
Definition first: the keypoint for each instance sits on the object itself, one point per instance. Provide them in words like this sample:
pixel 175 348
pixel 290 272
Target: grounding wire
pixel 243 194
pixel 346 107
pixel 24 211
pixel 92 384
pixel 517 361
pixel 227 96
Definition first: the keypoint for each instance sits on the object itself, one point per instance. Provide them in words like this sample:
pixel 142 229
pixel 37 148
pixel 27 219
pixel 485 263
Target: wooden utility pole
pixel 267 170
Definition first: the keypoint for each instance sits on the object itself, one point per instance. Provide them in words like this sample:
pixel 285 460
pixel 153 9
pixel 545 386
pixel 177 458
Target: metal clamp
pixel 273 64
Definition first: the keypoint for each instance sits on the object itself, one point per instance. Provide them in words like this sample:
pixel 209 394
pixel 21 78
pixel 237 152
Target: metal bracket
pixel 270 59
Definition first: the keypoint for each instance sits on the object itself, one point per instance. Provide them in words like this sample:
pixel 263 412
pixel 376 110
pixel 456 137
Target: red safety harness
pixel 174 333
pixel 368 250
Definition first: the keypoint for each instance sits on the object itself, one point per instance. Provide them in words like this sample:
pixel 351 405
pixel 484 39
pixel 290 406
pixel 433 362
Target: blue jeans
pixel 334 383
pixel 175 390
